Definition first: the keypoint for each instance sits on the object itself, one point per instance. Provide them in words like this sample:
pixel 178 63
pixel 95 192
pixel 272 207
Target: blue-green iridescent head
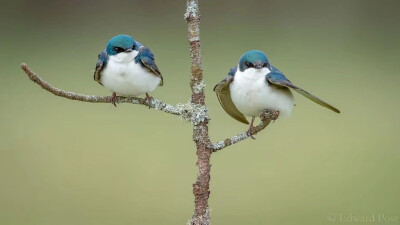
pixel 253 59
pixel 121 43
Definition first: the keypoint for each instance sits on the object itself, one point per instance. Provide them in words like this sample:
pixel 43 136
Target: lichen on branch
pixel 153 103
pixel 266 119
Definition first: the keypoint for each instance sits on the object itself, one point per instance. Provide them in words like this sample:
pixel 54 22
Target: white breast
pixel 127 78
pixel 251 94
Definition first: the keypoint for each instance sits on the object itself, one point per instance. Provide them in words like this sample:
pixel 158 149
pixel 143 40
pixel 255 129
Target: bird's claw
pixel 252 137
pixel 269 115
pixel 113 99
pixel 148 100
pixel 252 130
pixel 275 116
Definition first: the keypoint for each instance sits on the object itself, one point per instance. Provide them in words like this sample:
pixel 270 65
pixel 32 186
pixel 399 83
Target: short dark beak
pixel 258 65
pixel 128 50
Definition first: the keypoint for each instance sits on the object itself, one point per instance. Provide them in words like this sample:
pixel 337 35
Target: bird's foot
pixel 252 129
pixel 148 100
pixel 275 116
pixel 269 115
pixel 113 99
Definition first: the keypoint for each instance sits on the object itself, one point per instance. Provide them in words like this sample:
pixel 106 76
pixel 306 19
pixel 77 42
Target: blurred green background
pixel 66 162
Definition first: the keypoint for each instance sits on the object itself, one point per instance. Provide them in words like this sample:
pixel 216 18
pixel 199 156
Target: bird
pixel 254 85
pixel 127 68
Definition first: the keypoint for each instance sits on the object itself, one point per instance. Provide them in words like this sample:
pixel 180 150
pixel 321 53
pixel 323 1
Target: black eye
pixel 133 47
pixel 118 49
pixel 265 65
pixel 249 64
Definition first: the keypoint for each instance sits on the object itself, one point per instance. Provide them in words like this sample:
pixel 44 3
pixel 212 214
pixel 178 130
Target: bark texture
pixel 201 190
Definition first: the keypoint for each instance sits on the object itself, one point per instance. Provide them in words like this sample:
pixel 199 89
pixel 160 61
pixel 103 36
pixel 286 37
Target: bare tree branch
pixel 195 111
pixel 178 109
pixel 266 118
pixel 201 190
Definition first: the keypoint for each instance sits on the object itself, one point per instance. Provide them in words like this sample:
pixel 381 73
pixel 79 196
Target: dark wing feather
pixel 224 97
pixel 146 58
pixel 101 63
pixel 277 78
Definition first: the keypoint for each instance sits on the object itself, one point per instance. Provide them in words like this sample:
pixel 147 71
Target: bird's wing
pixel 146 58
pixel 224 97
pixel 277 78
pixel 101 63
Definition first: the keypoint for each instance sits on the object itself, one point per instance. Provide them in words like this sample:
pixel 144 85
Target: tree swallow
pixel 127 68
pixel 255 86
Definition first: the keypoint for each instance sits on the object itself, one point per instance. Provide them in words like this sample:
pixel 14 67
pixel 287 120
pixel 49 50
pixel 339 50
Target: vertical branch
pixel 200 130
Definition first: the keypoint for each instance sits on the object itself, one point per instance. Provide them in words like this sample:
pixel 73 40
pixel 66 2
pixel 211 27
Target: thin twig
pixel 153 103
pixel 266 118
